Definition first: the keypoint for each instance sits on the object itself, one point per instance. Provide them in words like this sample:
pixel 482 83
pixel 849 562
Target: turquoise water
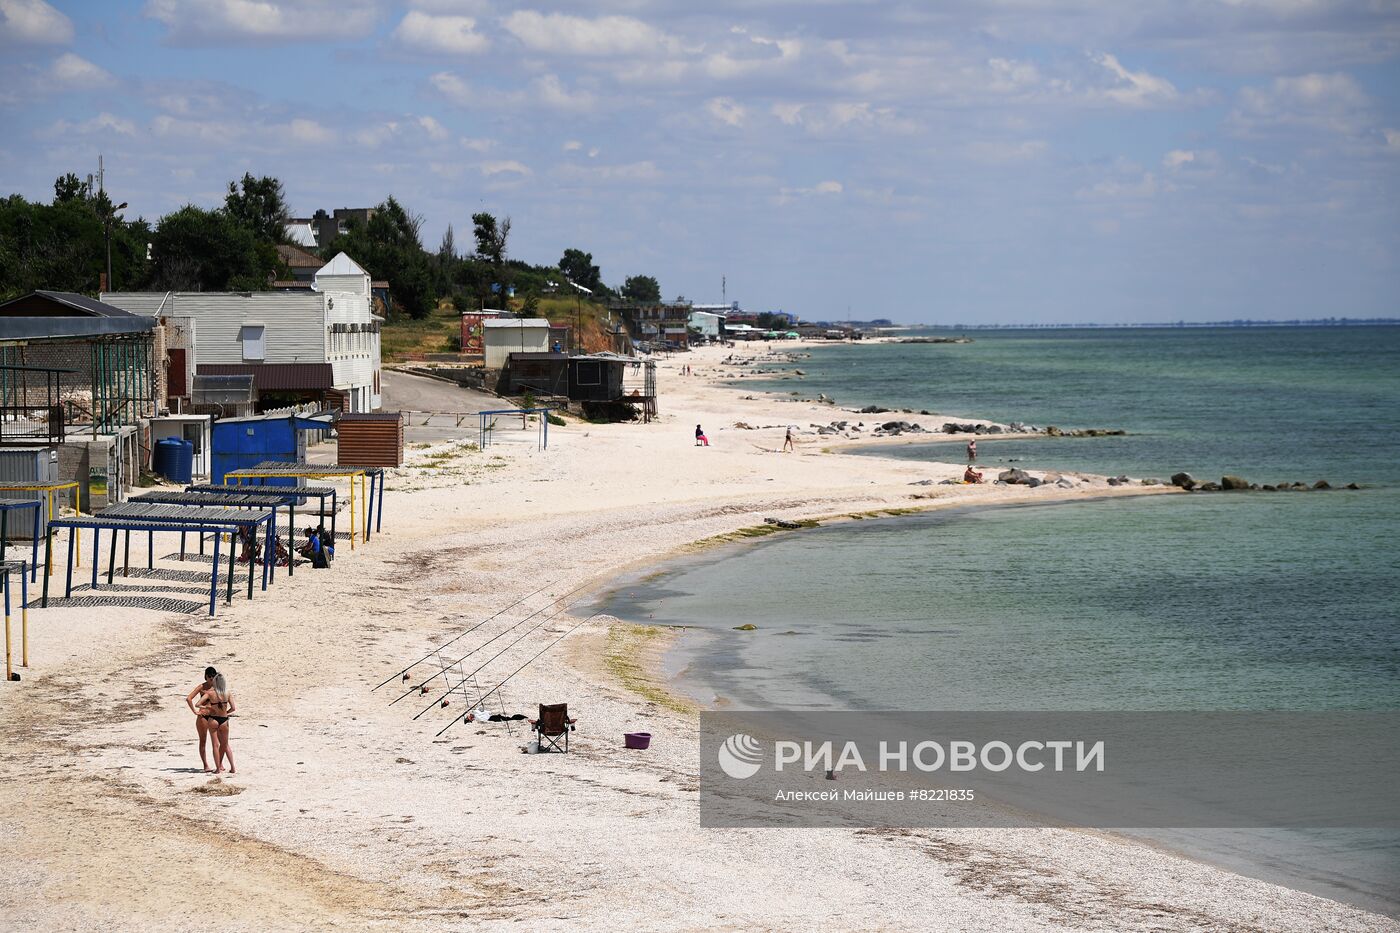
pixel 1226 601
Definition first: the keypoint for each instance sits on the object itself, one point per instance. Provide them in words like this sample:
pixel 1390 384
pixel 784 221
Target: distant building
pixel 303 265
pixel 504 336
pixel 321 229
pixel 318 344
pixel 337 223
pixel 299 230
pixel 709 324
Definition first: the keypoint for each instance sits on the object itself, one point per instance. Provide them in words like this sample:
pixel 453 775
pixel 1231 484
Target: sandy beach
pixel 347 812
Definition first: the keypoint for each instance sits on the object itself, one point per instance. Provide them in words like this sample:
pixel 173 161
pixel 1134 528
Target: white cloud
pixel 1005 150
pixel 104 123
pixel 552 92
pixel 1392 140
pixel 268 137
pixel 372 137
pixel 573 145
pixel 726 110
pixel 474 144
pixel 33 21
pixel 631 171
pixel 505 167
pixel 307 132
pixel 1114 189
pixel 72 71
pixel 216 22
pixel 452 35
pixel 432 127
pixel 829 187
pixel 1136 88
pixel 1312 101
pixel 1177 158
pixel 546 90
pixel 577 35
pixel 453 88
pixel 839 115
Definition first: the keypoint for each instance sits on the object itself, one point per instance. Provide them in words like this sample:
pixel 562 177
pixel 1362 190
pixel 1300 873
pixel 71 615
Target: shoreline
pixel 348 812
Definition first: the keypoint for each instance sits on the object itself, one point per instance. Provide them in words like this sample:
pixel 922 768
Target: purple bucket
pixel 637 740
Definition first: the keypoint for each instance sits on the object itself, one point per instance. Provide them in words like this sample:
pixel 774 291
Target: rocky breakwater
pixel 1018 427
pixel 1232 483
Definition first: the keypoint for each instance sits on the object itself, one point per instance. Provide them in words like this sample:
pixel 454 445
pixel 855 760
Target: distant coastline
pixel 1313 322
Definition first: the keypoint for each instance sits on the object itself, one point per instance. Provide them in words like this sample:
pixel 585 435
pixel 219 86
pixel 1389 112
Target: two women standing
pixel 212 705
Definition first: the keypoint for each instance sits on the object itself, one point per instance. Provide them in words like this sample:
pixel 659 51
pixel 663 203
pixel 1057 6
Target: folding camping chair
pixel 553 725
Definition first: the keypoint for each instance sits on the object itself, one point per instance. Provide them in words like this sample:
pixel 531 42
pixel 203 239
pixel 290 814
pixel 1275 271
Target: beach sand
pixel 348 813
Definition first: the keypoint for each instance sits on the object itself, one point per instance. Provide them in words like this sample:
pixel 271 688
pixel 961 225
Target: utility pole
pixel 107 236
pixel 724 291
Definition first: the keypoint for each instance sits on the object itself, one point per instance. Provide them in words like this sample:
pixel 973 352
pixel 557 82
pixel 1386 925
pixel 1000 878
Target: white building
pixel 505 336
pixel 320 345
pixel 708 323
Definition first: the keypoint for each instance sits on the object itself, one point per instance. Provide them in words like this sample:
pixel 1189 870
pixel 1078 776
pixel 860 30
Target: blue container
pixel 174 459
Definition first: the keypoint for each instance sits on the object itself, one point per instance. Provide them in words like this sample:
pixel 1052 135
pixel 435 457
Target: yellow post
pixel 352 512
pixel 24 635
pixel 8 669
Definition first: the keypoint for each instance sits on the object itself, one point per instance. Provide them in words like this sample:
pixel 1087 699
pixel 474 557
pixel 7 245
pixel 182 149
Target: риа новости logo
pixel 740 756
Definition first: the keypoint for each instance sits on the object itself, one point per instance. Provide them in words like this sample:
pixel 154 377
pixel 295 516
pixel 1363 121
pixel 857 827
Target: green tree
pixel 641 288
pixel 195 249
pixel 61 245
pixel 491 236
pixel 69 188
pixel 389 247
pixel 578 266
pixel 260 205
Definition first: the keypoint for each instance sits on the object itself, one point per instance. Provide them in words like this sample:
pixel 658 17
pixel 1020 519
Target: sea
pixel 1248 601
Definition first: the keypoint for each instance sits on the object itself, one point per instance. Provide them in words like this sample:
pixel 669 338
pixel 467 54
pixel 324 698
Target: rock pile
pixel 1231 483
pixel 895 428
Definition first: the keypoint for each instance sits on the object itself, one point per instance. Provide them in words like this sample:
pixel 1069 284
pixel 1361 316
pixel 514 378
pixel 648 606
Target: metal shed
pixel 370 439
pixel 239 443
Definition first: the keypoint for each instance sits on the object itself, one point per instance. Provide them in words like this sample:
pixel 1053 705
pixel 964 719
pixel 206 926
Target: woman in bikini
pixel 201 724
pixel 218 707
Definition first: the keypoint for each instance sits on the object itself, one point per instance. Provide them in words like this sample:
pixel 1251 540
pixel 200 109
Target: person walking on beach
pixel 201 725
pixel 700 438
pixel 971 451
pixel 787 441
pixel 217 709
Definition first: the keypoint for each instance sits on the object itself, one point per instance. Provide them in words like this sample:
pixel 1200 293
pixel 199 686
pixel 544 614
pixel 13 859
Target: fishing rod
pixel 431 677
pixel 478 625
pixel 523 635
pixel 532 660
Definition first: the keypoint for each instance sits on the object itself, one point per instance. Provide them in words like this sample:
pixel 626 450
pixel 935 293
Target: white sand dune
pixel 348 813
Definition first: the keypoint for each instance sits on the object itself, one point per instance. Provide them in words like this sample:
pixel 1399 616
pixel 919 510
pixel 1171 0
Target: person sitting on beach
pixel 201 725
pixel 971 476
pixel 700 438
pixel 327 542
pixel 218 706
pixel 313 551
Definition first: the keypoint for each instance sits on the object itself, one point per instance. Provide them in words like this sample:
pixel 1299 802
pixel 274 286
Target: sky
pixel 1004 161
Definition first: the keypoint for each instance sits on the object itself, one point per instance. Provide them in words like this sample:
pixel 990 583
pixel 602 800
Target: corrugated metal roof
pixel 85 304
pixel 275 377
pixel 516 322
pixel 68 328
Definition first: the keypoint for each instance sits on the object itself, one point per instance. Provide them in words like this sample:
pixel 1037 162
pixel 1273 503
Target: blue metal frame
pixel 6 507
pixel 485 432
